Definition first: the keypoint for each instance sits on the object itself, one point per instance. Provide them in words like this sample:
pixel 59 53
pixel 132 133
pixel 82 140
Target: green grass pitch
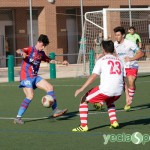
pixel 41 133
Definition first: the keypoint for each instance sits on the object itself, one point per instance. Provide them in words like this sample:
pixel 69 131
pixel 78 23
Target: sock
pixel 51 93
pixel 131 92
pixel 23 107
pixel 83 110
pixel 112 112
pixel 101 103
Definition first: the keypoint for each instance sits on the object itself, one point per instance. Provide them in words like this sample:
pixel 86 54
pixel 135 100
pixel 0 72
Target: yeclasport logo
pixel 135 138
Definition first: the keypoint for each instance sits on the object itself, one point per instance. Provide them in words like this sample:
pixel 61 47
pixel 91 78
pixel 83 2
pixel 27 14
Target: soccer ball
pixel 47 101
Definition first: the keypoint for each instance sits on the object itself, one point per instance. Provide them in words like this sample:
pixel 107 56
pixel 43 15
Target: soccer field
pixel 43 133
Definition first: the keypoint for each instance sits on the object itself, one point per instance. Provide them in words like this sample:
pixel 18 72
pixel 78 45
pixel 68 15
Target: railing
pixel 52 66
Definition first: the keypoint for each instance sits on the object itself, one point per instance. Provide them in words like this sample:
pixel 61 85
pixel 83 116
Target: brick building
pixel 60 20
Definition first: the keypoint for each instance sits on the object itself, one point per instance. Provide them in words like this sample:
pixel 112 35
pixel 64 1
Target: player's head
pixel 100 35
pixel 131 30
pixel 108 46
pixel 119 33
pixel 43 41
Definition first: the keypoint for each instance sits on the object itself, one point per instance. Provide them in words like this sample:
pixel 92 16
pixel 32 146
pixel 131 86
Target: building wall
pixel 51 23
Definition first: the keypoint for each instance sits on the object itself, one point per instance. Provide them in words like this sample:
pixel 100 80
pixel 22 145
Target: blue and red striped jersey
pixel 30 64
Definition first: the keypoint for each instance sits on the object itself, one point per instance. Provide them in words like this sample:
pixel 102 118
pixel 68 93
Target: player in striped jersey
pixel 29 79
pixel 110 70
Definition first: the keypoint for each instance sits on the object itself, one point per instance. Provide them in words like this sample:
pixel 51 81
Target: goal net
pixel 105 21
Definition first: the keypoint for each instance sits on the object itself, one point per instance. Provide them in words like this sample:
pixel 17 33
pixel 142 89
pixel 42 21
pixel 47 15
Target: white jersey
pixel 127 48
pixel 110 70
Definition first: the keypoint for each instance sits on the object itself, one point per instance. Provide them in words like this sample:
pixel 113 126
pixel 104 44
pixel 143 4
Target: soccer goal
pixel 104 21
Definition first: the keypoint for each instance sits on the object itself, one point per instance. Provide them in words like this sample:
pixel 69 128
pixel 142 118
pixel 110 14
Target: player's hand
pixel 127 59
pixel 24 55
pixel 100 55
pixel 78 91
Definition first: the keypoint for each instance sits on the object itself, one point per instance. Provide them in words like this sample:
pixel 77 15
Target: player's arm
pixel 137 55
pixel 127 36
pixel 97 41
pixel 140 45
pixel 90 80
pixel 47 59
pixel 100 55
pixel 140 42
pixel 115 51
pixel 22 53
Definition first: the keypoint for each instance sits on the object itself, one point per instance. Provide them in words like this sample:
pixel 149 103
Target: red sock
pixel 83 110
pixel 112 113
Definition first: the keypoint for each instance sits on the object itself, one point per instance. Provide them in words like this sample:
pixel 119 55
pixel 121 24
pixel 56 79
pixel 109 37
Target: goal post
pixel 104 21
pixel 107 19
pixel 137 15
pixel 106 11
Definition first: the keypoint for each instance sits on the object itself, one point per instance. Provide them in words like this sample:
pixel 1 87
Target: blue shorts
pixel 30 82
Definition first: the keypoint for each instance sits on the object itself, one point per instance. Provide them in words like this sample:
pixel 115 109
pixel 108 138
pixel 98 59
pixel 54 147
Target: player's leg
pixel 24 105
pixel 48 88
pixel 83 111
pixel 98 104
pixel 131 77
pixel 112 111
pixel 92 96
pixel 128 98
pixel 131 87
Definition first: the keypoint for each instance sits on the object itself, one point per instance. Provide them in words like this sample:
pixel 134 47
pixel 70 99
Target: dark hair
pixel 108 46
pixel 43 38
pixel 120 29
pixel 132 28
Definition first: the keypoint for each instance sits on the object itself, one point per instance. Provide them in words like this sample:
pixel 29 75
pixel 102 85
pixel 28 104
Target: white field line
pixel 66 85
pixel 90 113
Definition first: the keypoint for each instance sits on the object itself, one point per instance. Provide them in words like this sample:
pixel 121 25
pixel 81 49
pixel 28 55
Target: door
pixel 2 51
pixel 72 38
pixel 9 41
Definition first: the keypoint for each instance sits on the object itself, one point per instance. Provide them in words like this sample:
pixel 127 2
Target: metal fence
pixel 15 31
pixel 52 70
